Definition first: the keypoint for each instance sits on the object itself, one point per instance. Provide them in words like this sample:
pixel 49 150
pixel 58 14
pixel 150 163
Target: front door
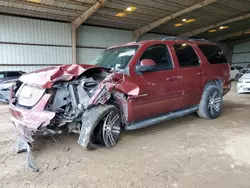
pixel 161 88
pixel 189 74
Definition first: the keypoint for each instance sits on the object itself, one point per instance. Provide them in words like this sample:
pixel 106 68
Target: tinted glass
pixel 160 55
pixel 186 55
pixel 116 58
pixel 213 54
pixel 13 74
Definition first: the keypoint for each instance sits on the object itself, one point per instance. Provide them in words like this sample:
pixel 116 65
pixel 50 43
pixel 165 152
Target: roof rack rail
pixel 180 38
pixel 203 40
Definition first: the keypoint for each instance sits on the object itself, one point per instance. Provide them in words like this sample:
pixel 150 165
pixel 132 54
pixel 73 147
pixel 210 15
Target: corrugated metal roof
pixel 147 12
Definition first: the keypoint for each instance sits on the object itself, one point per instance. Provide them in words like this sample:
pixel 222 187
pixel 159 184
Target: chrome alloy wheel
pixel 214 103
pixel 111 129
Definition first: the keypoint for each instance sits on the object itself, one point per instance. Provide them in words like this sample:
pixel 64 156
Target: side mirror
pixel 146 65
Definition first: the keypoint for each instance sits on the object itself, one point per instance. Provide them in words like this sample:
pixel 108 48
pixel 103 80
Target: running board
pixel 160 119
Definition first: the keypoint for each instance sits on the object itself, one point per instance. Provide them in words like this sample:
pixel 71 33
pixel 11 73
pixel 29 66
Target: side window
pixel 13 74
pixel 186 55
pixel 213 54
pixel 232 68
pixel 161 56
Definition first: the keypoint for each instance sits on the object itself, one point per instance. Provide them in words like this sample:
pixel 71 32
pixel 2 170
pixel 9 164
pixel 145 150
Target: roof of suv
pixel 167 39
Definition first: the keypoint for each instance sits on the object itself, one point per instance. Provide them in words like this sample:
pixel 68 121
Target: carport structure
pixel 218 20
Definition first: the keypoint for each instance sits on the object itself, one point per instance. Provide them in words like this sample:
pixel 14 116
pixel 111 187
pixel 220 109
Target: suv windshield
pixel 115 58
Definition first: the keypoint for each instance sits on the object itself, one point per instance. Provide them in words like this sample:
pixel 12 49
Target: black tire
pixel 211 103
pixel 93 126
pixel 237 77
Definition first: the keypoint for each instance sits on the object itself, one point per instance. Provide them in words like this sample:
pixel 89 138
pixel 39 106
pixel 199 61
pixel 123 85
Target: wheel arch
pixel 215 82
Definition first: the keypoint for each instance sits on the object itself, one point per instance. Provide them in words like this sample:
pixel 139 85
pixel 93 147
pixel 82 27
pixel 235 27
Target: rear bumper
pixel 27 121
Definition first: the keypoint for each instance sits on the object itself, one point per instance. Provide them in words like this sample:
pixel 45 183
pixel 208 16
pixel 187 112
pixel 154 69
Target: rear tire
pixel 211 103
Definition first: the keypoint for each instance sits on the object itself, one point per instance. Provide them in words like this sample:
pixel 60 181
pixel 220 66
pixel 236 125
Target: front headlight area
pixel 7 85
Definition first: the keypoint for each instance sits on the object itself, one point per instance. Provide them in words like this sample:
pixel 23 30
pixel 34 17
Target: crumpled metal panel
pixel 48 76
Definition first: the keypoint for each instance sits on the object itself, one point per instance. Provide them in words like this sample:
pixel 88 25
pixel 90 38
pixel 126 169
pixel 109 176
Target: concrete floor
pixel 188 152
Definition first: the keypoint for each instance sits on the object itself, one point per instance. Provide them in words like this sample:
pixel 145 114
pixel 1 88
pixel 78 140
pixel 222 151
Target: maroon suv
pixel 129 86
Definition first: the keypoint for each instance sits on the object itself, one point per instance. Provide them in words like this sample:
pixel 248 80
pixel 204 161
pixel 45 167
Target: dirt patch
pixel 239 148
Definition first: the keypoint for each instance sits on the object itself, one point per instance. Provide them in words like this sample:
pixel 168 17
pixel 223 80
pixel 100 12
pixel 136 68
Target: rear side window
pixel 186 55
pixel 13 74
pixel 213 53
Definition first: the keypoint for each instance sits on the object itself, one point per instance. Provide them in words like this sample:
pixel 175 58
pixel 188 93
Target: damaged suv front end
pixel 63 98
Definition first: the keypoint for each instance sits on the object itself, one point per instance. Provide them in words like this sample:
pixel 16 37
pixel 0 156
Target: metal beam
pixel 231 35
pixel 161 21
pixel 203 29
pixel 73 32
pixel 78 21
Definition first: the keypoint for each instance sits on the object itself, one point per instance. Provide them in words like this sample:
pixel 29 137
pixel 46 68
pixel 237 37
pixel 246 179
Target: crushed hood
pixel 48 76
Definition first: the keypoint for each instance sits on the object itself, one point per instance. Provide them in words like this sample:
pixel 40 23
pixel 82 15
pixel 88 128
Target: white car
pixel 243 85
pixel 234 71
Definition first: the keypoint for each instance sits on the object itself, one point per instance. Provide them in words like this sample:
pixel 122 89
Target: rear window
pixel 13 74
pixel 213 53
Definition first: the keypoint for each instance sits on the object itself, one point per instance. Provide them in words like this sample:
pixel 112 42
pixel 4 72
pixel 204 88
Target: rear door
pixel 189 74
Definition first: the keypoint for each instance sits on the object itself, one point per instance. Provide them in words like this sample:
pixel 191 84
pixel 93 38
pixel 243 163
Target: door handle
pixel 174 78
pixel 179 77
pixel 170 79
pixel 202 73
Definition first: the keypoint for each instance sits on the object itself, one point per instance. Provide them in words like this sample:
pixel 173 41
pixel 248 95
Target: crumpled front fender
pixel 90 120
pixel 89 123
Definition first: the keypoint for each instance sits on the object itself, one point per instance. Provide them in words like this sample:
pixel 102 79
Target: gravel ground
pixel 188 152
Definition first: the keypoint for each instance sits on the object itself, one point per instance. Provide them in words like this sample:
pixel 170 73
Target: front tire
pixel 101 126
pixel 211 103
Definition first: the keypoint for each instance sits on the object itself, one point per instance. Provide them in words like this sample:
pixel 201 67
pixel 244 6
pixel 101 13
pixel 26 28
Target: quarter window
pixel 213 54
pixel 186 55
pixel 160 55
